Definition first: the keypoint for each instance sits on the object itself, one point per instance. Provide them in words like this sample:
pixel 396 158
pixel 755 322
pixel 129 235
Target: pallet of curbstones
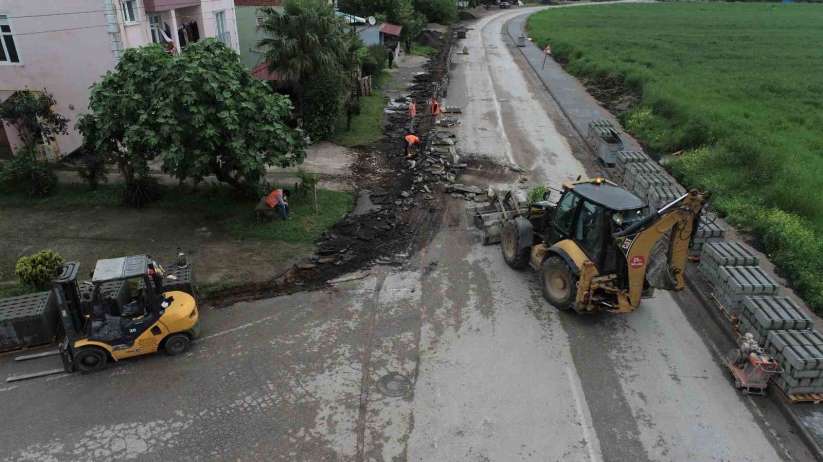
pixel 762 314
pixel 735 283
pixel 800 354
pixel 27 320
pixel 624 158
pixel 708 230
pixel 724 253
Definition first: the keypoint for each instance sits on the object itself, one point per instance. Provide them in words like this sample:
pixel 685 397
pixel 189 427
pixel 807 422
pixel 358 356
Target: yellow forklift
pixel 593 246
pixel 122 312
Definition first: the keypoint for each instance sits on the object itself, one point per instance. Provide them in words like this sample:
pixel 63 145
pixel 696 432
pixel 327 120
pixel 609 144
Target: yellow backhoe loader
pixel 593 246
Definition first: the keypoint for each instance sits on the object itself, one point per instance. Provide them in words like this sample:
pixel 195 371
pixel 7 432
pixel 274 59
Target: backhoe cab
pixel 592 247
pixel 122 312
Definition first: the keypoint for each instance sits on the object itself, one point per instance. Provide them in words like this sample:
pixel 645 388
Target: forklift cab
pixel 126 299
pixel 589 214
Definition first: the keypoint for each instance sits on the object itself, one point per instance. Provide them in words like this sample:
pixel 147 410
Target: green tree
pixel 32 114
pixel 226 123
pixel 198 113
pixel 126 118
pixel 439 11
pixel 303 41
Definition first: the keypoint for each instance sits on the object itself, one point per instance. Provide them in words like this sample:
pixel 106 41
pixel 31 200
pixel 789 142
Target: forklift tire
pixel 176 344
pixel 515 257
pixel 90 359
pixel 558 283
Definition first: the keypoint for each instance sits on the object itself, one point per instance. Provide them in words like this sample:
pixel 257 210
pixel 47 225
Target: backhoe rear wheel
pixel 559 284
pixel 90 359
pixel 515 257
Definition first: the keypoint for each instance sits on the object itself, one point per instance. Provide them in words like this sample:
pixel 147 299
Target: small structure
pixel 390 36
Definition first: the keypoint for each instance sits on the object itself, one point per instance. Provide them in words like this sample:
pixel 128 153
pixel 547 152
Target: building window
pixel 155 25
pixel 129 10
pixel 8 50
pixel 222 34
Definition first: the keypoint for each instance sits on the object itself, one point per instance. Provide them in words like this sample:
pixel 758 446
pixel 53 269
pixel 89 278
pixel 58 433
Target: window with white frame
pixel 8 49
pixel 129 10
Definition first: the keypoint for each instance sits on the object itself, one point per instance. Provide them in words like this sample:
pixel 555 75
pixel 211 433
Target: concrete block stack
pixel 766 313
pixel 660 195
pixel 637 170
pixel 623 159
pixel 735 283
pixel 800 354
pixel 27 320
pixel 724 253
pixel 708 230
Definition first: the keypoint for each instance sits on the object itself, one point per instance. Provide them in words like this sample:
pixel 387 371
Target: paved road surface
pixel 496 374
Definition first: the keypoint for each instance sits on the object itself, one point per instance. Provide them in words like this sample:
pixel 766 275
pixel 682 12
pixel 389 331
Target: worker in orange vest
pixel 411 140
pixel 412 114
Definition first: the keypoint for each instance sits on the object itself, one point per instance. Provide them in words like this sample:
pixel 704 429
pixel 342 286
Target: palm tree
pixel 303 41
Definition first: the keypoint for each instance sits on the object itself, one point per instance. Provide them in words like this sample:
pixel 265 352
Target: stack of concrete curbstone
pixel 735 283
pixel 762 314
pixel 624 158
pixel 800 354
pixel 27 320
pixel 708 230
pixel 660 195
pixel 724 253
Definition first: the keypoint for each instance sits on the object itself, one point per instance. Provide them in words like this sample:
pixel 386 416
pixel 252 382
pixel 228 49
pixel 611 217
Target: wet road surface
pixel 494 372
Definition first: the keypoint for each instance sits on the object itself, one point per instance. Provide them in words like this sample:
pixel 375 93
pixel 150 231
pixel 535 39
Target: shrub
pixel 39 269
pixel 439 11
pixel 308 181
pixel 375 60
pixel 141 191
pixel 92 169
pixel 25 173
pixel 323 105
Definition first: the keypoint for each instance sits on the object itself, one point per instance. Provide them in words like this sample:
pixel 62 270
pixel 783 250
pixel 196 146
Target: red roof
pixel 391 29
pixel 262 72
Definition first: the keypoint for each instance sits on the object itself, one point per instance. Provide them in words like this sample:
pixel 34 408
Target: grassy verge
pixel 734 85
pixel 366 127
pixel 213 205
pixel 423 50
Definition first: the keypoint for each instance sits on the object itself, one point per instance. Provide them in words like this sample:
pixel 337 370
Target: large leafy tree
pixel 199 113
pixel 126 116
pixel 226 123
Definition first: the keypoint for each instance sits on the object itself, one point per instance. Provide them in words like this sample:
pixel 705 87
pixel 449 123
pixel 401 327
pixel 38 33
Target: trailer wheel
pixel 90 359
pixel 176 344
pixel 515 257
pixel 559 285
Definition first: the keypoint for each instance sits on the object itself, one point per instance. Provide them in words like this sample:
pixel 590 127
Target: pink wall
pixel 66 63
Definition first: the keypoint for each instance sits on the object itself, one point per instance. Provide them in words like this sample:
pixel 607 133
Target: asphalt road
pixel 495 373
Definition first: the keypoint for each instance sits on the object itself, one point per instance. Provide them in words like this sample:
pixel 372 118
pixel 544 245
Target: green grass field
pixel 736 85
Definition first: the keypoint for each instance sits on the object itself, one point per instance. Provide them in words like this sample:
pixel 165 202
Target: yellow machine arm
pixel 638 241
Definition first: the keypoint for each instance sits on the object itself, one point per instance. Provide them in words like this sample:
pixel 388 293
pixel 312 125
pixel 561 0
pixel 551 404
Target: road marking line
pixel 589 433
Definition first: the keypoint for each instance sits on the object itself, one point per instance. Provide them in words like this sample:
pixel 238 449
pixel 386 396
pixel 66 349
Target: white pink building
pixel 65 46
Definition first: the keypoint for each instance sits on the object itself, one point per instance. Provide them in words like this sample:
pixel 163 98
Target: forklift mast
pixel 67 297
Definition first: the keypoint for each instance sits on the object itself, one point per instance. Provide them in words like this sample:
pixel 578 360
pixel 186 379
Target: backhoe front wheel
pixel 515 257
pixel 559 284
pixel 90 359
